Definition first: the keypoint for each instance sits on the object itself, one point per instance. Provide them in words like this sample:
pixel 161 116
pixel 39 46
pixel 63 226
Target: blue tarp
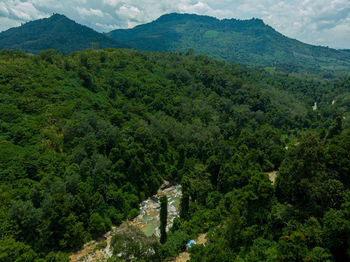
pixel 191 243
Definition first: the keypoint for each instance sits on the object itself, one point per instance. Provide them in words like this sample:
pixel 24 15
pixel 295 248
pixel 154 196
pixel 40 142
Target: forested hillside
pixel 249 42
pixel 56 32
pixel 240 41
pixel 86 136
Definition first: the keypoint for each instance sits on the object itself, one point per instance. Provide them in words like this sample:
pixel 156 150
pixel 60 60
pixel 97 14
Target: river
pixel 147 221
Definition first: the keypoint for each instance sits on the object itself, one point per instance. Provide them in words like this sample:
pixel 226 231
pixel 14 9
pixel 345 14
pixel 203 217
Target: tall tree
pixel 336 128
pixel 185 199
pixel 184 205
pixel 163 218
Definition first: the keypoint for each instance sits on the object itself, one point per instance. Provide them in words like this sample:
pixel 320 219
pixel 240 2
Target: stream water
pixel 147 221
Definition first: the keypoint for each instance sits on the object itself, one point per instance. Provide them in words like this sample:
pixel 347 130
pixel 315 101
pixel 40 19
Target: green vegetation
pixel 130 244
pixel 211 34
pixel 176 242
pixel 57 32
pixel 101 245
pixel 163 218
pixel 86 136
pixel 244 41
pixel 307 219
pixel 248 42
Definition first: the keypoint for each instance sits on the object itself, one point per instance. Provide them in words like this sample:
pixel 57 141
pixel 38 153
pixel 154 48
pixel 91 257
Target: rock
pixel 165 185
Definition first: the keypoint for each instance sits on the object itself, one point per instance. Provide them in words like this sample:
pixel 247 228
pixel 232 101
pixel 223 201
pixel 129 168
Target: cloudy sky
pixel 320 22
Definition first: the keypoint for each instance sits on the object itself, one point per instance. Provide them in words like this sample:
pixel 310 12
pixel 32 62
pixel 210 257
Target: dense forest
pixel 85 137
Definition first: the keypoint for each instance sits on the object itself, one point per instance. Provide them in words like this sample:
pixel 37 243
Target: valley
pixel 252 129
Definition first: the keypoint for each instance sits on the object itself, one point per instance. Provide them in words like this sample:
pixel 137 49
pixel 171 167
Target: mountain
pixel 243 41
pixel 57 32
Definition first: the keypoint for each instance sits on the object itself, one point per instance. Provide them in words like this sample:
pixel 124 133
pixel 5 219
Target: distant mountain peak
pixel 244 41
pixel 181 16
pixel 55 32
pixel 187 15
pixel 56 17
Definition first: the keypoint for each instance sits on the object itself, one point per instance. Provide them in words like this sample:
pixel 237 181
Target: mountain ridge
pixel 56 32
pixel 250 42
pixel 242 41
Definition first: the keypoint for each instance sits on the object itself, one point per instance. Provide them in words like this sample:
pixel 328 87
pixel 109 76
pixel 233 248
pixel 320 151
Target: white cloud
pixel 6 23
pixel 129 12
pixel 321 22
pixel 3 10
pixel 19 10
pixel 112 3
pixel 305 20
pixel 107 26
pixel 89 12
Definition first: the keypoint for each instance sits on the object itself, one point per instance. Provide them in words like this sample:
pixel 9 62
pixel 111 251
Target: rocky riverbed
pixel 147 221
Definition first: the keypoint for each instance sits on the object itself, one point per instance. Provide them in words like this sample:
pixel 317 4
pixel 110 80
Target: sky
pixel 318 22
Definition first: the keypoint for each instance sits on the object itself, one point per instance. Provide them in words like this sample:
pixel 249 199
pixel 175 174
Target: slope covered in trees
pixel 86 136
pixel 304 217
pixel 243 41
pixel 57 32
